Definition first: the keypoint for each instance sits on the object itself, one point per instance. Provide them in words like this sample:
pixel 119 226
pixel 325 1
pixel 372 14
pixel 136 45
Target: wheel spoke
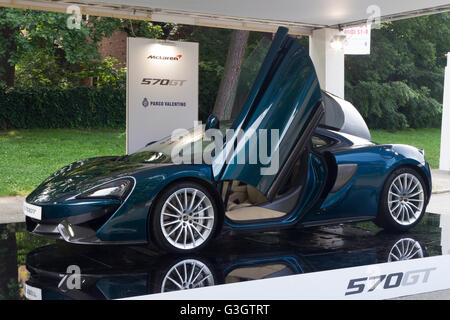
pixel 175 283
pixel 179 234
pixel 179 202
pixel 203 279
pixel 415 194
pixel 411 205
pixel 198 273
pixel 192 200
pixel 403 214
pixel 396 188
pixel 171 223
pixel 202 218
pixel 396 207
pixel 185 271
pixel 195 229
pixel 174 229
pixel 395 194
pixel 174 208
pixel 415 186
pixel 199 203
pixel 179 275
pixel 191 234
pixel 400 186
pixel 394 256
pixel 192 273
pixel 200 211
pixel 170 215
pixel 199 224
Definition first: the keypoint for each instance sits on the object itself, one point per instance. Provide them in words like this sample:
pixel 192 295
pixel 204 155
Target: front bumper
pixel 63 231
pixel 80 228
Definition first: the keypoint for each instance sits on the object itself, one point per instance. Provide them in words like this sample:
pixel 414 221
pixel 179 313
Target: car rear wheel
pixel 402 202
pixel 184 218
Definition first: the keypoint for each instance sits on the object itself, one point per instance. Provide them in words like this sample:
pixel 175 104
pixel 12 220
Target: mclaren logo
pixel 169 58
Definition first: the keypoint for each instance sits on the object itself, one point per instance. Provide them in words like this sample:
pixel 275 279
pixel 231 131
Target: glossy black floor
pixel 118 272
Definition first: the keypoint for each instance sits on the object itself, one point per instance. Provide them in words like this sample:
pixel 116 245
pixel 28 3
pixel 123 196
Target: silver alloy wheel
pixel 406 199
pixel 187 218
pixel 187 274
pixel 405 249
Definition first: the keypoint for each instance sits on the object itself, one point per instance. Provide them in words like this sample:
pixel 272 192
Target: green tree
pixel 45 50
pixel 400 84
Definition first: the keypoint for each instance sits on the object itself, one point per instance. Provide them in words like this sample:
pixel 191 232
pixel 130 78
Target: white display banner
pixel 444 161
pixel 358 40
pixel 378 281
pixel 162 89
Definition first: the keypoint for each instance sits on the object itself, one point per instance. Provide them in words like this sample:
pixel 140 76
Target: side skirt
pixel 230 230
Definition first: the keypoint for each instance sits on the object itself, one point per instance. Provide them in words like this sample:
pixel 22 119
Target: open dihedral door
pixel 285 96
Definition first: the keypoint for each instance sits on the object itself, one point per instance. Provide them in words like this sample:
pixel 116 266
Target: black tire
pixel 166 241
pixel 384 218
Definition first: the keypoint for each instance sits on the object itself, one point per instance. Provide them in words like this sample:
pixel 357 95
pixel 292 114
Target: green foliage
pixel 400 84
pixel 144 29
pixel 62 108
pixel 108 73
pixel 46 52
pixel 395 105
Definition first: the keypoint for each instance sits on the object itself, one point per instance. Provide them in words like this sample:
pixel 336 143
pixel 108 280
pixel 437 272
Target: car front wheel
pixel 184 218
pixel 402 202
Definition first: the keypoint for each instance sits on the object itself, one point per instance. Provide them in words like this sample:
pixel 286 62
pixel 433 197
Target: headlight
pixel 117 189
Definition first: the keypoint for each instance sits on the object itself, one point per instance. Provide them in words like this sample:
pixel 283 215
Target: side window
pixel 320 142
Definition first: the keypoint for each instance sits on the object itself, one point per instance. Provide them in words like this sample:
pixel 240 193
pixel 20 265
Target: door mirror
pixel 212 123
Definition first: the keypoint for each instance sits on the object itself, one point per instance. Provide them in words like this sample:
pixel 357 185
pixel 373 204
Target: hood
pixel 82 175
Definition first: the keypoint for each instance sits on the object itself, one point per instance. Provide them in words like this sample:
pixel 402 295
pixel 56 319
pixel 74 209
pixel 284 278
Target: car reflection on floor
pixel 119 272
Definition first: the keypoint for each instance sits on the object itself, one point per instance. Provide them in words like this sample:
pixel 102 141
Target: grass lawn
pixel 27 157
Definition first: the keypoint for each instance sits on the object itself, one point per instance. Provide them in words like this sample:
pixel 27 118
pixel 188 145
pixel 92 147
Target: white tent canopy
pixel 301 16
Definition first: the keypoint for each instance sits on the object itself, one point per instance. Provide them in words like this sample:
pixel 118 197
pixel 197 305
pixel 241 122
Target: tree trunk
pixel 7 70
pixel 9 41
pixel 228 85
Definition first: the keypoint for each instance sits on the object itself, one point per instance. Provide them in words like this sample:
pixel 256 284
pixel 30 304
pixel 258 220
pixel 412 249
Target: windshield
pixel 192 143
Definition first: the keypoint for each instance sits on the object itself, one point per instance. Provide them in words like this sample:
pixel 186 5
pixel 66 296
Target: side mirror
pixel 212 123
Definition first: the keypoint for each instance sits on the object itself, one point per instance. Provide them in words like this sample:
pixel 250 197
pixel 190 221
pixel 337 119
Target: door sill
pixel 253 214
